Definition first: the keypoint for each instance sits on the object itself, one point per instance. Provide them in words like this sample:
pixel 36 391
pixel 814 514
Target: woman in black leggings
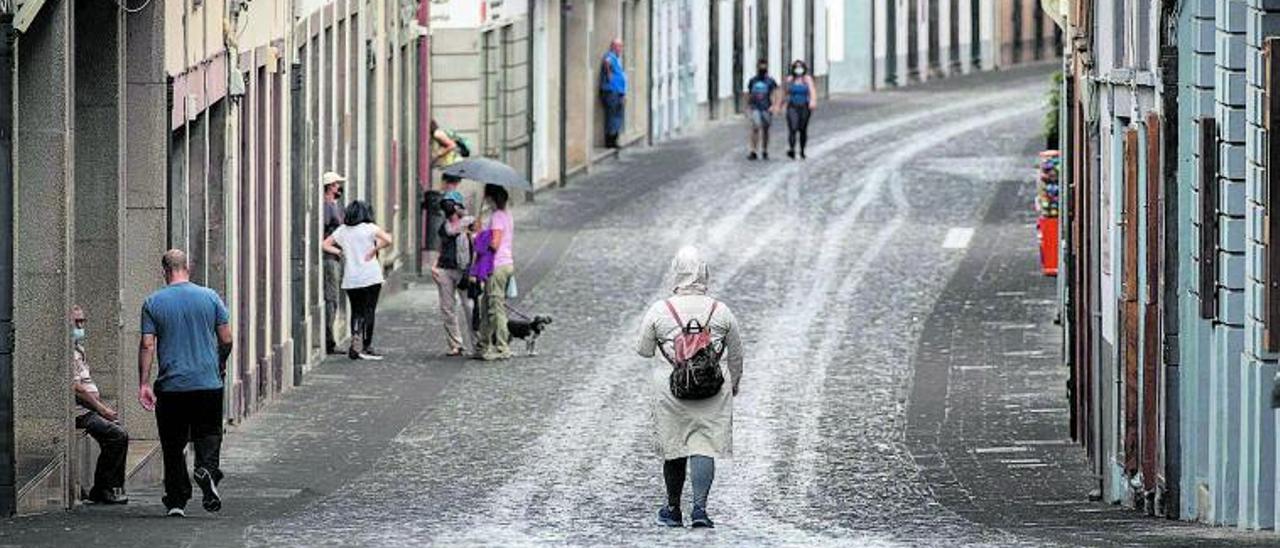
pixel 802 98
pixel 358 242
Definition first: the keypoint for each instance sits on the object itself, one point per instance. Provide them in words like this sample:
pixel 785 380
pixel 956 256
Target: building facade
pixel 203 126
pixel 1170 295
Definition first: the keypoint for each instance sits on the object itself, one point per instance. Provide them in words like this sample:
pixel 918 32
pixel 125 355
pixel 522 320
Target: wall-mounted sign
pixel 456 14
pixel 470 14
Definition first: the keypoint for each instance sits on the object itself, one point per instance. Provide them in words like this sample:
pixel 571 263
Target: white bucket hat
pixel 331 177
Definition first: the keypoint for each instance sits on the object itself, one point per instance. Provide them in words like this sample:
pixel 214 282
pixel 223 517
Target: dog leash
pixel 520 314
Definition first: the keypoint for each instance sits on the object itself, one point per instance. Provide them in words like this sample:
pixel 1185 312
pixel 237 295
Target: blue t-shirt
pixel 760 91
pixel 184 318
pixel 615 80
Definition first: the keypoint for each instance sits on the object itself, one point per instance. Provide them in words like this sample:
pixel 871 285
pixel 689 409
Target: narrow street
pixel 887 376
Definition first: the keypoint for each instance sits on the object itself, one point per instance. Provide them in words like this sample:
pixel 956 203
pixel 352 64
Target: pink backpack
pixel 695 365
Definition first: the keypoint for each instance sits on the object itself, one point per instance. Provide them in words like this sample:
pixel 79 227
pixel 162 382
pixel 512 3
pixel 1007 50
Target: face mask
pixel 77 334
pixel 798 71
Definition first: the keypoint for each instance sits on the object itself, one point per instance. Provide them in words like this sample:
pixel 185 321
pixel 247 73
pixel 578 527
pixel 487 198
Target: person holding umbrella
pixel 498 237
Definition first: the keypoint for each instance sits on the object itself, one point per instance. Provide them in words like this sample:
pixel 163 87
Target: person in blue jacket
pixel 613 92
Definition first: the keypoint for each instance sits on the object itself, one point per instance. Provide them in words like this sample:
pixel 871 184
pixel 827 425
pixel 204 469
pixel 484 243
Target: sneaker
pixel 669 516
pixel 698 518
pixel 764 155
pixel 802 154
pixel 752 156
pixel 112 496
pixel 370 354
pixel 791 153
pixel 357 344
pixel 176 512
pixel 211 502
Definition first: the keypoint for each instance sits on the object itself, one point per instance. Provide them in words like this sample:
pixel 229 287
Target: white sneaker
pixel 176 513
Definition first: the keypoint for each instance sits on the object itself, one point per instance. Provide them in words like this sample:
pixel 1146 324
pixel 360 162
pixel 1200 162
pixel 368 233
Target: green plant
pixel 1052 108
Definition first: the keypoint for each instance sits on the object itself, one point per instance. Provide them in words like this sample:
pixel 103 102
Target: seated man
pixel 100 421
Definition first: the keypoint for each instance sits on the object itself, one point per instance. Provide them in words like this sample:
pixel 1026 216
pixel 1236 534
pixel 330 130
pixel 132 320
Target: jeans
pixel 447 282
pixel 704 473
pixel 364 307
pixel 494 336
pixel 332 297
pixel 798 125
pixel 113 440
pixel 613 109
pixel 182 417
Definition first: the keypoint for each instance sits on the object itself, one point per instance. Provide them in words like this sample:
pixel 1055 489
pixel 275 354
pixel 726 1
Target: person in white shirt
pixel 358 242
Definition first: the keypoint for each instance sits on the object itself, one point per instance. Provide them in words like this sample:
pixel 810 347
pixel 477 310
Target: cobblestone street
pixel 884 371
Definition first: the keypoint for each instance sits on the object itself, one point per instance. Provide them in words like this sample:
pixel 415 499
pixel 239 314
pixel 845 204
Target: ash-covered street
pixel 886 375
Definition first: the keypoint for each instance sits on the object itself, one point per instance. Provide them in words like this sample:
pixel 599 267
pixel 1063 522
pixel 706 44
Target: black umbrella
pixel 490 172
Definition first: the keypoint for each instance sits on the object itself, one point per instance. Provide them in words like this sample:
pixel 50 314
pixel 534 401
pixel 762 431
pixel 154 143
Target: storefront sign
pixel 470 14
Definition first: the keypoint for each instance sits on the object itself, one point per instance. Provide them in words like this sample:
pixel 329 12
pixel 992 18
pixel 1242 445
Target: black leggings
pixel 704 473
pixel 798 125
pixel 364 305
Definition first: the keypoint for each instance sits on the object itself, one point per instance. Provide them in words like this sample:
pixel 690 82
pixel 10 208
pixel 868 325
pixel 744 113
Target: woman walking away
pixel 802 98
pixel 494 336
pixel 693 386
pixel 450 272
pixel 358 242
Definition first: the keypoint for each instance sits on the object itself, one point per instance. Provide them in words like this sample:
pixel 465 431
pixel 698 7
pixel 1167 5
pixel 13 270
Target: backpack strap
pixel 675 315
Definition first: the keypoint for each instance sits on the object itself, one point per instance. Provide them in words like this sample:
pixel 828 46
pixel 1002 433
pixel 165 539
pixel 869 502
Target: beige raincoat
pixel 690 427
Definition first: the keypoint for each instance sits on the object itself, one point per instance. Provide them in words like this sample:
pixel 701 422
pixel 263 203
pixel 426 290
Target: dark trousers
pixel 364 307
pixel 113 440
pixel 798 125
pixel 183 417
pixel 613 108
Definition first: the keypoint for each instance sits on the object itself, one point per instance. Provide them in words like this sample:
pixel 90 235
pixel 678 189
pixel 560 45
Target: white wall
pixel 725 78
pixel 701 44
pixel 777 65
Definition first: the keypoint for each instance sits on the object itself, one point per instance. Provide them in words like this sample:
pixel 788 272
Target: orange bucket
pixel 1047 228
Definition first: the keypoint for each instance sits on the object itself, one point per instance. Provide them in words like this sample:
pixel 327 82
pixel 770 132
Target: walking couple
pixel 475 272
pixel 765 99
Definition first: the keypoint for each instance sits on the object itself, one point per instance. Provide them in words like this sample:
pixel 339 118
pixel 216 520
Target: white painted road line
pixel 957 238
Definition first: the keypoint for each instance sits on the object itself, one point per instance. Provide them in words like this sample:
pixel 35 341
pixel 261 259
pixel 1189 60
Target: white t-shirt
pixel 356 243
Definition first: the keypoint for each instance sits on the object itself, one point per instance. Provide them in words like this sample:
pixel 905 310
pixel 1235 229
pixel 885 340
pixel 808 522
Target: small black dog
pixel 529 331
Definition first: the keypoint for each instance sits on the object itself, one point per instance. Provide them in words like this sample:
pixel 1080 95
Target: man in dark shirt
pixel 762 102
pixel 186 328
pixel 332 264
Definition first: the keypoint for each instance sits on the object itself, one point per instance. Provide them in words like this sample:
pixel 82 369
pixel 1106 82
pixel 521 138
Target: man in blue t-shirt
pixel 613 92
pixel 762 102
pixel 186 328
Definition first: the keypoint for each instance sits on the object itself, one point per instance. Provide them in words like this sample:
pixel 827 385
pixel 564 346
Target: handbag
pixel 513 291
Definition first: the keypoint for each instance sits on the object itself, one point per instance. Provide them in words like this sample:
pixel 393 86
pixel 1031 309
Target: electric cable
pixel 124 6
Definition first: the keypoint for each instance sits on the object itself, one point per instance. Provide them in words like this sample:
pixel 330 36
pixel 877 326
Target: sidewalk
pixel 306 444
pixel 987 419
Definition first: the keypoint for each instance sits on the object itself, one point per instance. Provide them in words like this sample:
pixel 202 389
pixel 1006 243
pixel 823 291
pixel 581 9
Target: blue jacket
pixel 616 80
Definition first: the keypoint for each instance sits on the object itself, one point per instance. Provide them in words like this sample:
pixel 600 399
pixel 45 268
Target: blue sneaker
pixel 698 518
pixel 670 517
